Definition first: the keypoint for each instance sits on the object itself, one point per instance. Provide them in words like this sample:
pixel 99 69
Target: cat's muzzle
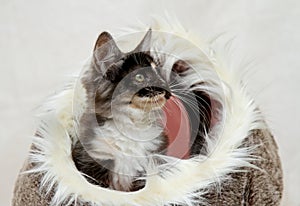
pixel 150 98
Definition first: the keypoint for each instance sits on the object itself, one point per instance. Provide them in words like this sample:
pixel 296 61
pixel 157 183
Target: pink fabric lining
pixel 177 127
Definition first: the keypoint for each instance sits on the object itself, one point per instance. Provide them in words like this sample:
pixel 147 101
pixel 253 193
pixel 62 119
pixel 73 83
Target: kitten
pixel 122 125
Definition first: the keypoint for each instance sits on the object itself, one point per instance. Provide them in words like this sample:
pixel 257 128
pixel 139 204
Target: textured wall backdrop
pixel 43 42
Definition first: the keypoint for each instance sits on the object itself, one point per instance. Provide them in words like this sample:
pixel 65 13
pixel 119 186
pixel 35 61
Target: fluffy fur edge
pixel 187 180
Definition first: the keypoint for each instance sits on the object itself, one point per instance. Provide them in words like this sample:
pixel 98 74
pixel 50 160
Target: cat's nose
pixel 167 94
pixel 161 91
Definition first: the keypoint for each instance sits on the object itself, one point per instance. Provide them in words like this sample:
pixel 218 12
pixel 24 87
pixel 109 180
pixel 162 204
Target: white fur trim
pixel 179 185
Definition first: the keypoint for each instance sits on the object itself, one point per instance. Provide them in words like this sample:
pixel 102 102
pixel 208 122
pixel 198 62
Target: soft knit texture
pixel 241 165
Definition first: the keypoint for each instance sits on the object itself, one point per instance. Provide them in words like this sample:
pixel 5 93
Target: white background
pixel 42 42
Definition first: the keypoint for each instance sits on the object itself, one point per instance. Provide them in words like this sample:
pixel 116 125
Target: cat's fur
pixel 118 137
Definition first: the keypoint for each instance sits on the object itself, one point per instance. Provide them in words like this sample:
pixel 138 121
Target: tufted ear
pixel 106 51
pixel 145 44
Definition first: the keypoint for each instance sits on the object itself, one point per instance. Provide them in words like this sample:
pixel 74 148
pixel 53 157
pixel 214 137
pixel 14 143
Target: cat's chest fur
pixel 117 139
pixel 127 145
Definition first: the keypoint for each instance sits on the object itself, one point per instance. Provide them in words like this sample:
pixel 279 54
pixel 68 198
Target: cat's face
pixel 129 83
pixel 140 84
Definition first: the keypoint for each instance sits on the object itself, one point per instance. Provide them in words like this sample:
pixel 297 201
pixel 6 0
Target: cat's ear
pixel 106 50
pixel 180 67
pixel 145 44
pixel 105 39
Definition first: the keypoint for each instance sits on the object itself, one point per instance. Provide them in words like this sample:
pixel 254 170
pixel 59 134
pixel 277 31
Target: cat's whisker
pixel 181 82
pixel 187 100
pixel 160 115
pixel 178 85
pixel 193 107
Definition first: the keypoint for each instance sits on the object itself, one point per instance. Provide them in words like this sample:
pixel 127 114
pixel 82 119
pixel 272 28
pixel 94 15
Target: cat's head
pixel 129 83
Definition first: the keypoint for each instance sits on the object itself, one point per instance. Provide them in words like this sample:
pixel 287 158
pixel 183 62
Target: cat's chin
pixel 148 104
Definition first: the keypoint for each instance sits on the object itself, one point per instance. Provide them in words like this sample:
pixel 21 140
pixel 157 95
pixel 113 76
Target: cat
pixel 121 127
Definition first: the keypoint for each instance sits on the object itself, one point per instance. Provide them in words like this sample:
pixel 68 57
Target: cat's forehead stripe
pixel 153 65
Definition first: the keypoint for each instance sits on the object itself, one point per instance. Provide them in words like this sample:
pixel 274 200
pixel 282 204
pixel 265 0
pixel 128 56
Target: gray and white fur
pixel 121 128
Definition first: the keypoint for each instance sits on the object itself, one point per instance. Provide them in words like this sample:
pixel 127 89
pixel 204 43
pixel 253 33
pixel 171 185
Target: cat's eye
pixel 139 77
